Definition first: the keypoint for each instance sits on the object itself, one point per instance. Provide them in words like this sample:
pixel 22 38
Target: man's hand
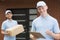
pixel 49 32
pixel 7 33
pixel 32 37
pixel 56 36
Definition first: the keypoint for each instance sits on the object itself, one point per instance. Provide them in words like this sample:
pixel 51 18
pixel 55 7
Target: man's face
pixel 9 15
pixel 42 9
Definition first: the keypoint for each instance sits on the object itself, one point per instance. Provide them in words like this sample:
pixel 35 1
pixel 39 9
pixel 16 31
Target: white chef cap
pixel 7 11
pixel 41 3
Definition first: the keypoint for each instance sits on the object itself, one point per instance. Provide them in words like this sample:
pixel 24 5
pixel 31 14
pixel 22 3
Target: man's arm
pixel 56 36
pixel 3 32
pixel 55 33
pixel 33 29
pixel 3 28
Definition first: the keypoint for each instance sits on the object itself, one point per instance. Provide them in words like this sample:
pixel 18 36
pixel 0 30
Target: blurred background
pixel 24 11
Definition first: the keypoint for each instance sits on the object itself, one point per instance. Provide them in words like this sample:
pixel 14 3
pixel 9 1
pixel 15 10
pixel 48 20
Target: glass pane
pixel 30 23
pixel 32 17
pixel 32 11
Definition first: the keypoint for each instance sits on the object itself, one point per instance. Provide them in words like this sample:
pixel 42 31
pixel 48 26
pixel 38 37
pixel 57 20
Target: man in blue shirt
pixel 9 23
pixel 45 24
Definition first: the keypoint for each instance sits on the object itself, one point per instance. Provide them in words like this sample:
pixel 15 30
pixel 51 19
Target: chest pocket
pixel 43 26
pixel 10 25
pixel 39 27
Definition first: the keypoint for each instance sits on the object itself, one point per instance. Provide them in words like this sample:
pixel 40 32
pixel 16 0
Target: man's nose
pixel 41 10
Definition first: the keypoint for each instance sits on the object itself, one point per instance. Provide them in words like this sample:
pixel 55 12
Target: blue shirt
pixel 8 24
pixel 42 24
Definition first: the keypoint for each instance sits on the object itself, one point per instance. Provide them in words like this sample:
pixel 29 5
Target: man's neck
pixel 44 15
pixel 10 19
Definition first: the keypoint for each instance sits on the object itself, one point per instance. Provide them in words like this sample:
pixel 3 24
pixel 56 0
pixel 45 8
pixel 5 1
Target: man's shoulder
pixel 36 19
pixel 14 21
pixel 53 19
pixel 5 21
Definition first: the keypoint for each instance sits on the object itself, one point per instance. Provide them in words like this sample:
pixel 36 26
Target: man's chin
pixel 9 18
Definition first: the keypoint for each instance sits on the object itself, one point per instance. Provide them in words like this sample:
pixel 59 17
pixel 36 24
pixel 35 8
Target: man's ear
pixel 12 14
pixel 46 7
pixel 5 15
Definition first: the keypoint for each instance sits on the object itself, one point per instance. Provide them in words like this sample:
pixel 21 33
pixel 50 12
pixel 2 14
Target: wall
pixel 54 8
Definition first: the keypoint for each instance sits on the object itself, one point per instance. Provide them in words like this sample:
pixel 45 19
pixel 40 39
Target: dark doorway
pixel 24 16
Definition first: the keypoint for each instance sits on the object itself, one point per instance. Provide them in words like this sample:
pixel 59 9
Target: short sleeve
pixel 3 27
pixel 16 23
pixel 56 27
pixel 33 29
